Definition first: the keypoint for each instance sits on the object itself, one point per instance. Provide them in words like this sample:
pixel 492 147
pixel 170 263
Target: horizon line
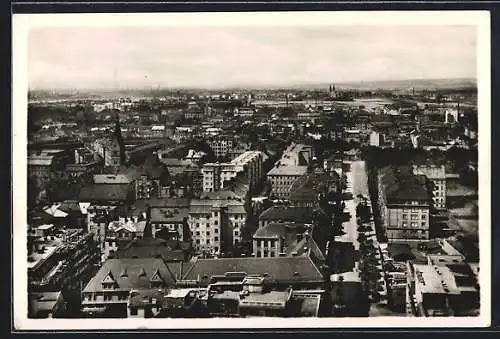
pixel 158 87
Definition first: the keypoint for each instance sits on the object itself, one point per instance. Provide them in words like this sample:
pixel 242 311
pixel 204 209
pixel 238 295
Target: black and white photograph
pixel 253 170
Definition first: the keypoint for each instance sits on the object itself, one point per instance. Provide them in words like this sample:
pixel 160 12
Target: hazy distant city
pixel 304 197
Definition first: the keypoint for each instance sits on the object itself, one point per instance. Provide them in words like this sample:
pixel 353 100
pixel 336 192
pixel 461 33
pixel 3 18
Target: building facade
pixel 437 175
pixel 216 174
pixel 405 203
pixel 216 221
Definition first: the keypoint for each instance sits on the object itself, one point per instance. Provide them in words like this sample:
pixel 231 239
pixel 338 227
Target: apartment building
pixel 292 166
pixel 221 145
pixel 405 202
pixel 61 260
pixel 216 221
pixel 108 292
pixel 98 219
pixel 216 174
pixel 442 288
pixel 109 150
pixel 437 176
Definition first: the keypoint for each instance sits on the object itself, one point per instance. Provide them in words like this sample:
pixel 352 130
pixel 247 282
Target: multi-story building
pixel 221 145
pixel 216 221
pixel 437 176
pixel 244 112
pixel 63 261
pixel 405 202
pixel 441 290
pixel 215 174
pixel 170 222
pixel 46 305
pixel 109 150
pixel 109 291
pixel 183 132
pixel 300 272
pixel 292 166
pixel 376 139
pixel 211 177
pixel 310 189
pixel 279 214
pixel 146 187
pixel 282 177
pixel 43 163
pixel 286 240
pixel 98 219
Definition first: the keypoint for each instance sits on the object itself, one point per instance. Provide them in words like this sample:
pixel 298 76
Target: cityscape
pixel 305 195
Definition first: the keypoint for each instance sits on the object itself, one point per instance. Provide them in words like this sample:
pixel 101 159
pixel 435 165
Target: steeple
pixel 118 135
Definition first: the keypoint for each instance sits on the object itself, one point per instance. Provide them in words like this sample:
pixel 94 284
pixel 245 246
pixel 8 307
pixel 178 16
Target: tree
pixel 165 178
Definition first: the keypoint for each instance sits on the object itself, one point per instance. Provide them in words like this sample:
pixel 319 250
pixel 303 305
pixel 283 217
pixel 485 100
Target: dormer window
pixel 156 280
pixel 109 281
pixel 142 272
pixel 124 273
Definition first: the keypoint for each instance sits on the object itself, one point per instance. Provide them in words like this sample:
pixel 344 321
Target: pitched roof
pixel 297 214
pixel 278 230
pixel 278 268
pixel 401 184
pixel 139 272
pixel 104 192
pixel 130 226
pixel 169 215
pixel 169 251
pixel 112 179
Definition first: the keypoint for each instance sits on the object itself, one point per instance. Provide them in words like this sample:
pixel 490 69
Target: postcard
pixel 251 170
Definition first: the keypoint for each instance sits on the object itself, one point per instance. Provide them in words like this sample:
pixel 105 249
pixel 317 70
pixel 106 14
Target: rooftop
pixel 169 215
pixel 279 268
pixel 402 185
pixel 131 273
pixel 112 179
pixel 433 279
pixel 104 192
pixel 289 213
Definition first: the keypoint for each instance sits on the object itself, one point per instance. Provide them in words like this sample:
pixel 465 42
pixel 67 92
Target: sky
pixel 217 57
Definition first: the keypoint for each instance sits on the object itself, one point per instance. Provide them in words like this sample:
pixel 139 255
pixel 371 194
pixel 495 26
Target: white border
pixel 23 22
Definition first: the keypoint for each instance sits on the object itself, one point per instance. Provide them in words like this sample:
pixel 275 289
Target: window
pixel 133 311
pixel 216 249
pixel 236 233
pixel 208 241
pixel 216 222
pixel 235 241
pixel 405 216
pixel 414 217
pixel 197 232
pixel 216 239
pixel 272 253
pixel 216 214
pixel 404 224
pixel 216 230
pixel 208 232
pixel 424 224
pixel 424 216
pixel 197 224
pixel 197 241
pixel 414 224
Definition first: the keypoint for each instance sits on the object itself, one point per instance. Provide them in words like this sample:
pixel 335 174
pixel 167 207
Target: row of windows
pixel 207 240
pixel 216 231
pixel 414 216
pixel 413 224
